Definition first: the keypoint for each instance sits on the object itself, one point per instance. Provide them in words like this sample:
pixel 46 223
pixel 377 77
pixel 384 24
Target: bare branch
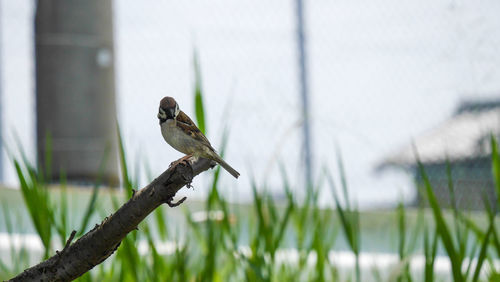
pixel 102 241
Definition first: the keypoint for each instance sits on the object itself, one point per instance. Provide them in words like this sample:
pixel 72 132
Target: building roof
pixel 464 136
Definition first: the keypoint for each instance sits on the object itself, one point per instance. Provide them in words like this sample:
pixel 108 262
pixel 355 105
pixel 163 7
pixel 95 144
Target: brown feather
pixel 188 126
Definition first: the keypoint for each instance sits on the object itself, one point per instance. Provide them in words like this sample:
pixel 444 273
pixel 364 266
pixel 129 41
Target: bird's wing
pixel 188 127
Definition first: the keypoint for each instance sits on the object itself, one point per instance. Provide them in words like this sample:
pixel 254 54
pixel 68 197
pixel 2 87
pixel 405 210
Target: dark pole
pixel 75 89
pixel 304 91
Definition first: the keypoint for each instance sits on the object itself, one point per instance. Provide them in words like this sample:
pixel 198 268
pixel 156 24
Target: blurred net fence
pixel 381 74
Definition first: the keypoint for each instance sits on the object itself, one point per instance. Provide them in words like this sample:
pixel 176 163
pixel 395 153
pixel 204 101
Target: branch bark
pixel 102 241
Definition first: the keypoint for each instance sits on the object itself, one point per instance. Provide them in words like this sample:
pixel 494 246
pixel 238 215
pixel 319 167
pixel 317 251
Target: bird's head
pixel 169 109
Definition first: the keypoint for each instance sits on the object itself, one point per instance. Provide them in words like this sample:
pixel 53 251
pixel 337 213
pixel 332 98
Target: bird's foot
pixel 184 160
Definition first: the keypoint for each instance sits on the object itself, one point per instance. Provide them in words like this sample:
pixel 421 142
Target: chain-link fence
pixel 381 73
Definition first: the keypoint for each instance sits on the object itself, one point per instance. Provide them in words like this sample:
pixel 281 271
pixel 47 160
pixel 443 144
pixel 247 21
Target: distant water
pixel 380 73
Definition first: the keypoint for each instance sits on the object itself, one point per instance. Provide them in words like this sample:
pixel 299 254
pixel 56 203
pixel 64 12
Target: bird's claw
pixel 184 160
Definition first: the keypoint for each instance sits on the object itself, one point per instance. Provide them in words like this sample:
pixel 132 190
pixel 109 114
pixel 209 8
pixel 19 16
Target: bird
pixel 180 132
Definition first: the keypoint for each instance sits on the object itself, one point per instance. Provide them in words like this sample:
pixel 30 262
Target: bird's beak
pixel 170 113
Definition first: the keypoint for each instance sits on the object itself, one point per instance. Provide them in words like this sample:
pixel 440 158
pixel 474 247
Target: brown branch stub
pixel 173 205
pixel 68 242
pixel 102 241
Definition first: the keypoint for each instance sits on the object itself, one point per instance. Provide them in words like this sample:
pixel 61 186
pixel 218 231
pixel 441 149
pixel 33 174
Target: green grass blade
pixel 161 223
pixel 10 231
pixel 130 257
pixel 158 265
pixel 226 225
pixel 282 226
pixel 272 210
pixel 461 233
pixel 496 241
pixel 472 226
pixel 482 253
pixel 216 174
pixel 198 95
pixel 286 184
pixel 181 264
pixel 442 228
pixel 62 224
pixel 402 230
pixel 346 223
pixel 38 203
pixel 471 256
pixel 416 232
pixel 127 183
pixel 430 255
pixel 263 225
pixel 495 160
pixel 90 210
pixel 451 188
pixel 343 179
pixel 24 157
pixel 492 216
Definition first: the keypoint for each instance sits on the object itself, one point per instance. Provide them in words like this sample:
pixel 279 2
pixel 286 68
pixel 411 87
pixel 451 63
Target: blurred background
pixel 350 87
pixel 378 74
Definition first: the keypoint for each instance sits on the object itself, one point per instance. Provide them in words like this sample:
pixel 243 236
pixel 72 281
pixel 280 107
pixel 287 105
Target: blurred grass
pixel 236 228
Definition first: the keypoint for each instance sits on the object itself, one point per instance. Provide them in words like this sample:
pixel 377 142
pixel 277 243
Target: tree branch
pixel 102 241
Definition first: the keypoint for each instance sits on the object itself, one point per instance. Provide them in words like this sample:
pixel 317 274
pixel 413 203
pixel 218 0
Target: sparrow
pixel 180 132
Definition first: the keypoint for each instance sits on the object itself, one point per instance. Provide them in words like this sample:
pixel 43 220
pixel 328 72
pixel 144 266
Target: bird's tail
pixel 226 166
